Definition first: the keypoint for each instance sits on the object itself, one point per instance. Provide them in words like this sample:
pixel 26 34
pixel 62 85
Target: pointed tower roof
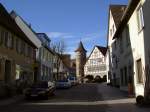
pixel 80 48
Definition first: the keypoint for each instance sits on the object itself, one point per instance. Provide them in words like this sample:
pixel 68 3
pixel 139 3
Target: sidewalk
pixel 118 101
pixel 111 93
pixel 11 100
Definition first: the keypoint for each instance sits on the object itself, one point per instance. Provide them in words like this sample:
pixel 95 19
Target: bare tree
pixel 59 48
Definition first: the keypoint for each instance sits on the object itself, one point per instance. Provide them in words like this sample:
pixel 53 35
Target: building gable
pixel 95 54
pixel 26 29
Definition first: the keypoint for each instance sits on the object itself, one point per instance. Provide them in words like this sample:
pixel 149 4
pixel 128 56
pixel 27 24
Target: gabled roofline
pixel 16 29
pixel 108 26
pixel 45 36
pixel 125 18
pixel 110 11
pixel 15 15
pixel 48 48
pixel 93 50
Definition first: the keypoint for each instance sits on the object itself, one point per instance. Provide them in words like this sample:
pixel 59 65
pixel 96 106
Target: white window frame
pixel 140 18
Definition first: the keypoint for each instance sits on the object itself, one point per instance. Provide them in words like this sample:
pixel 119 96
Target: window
pixel 125 76
pixel 140 18
pixel 46 55
pixel 121 72
pixel 130 72
pixel 127 35
pixel 110 32
pixel 17 45
pixel 94 61
pixel 139 71
pixel 95 54
pixel 0 66
pixel 99 60
pixel 116 61
pixel 2 37
pixel 6 39
pixel 113 28
pixel 115 44
pixel 43 53
pixel 29 51
pixel 55 65
pixel 102 68
pixel 26 49
pixel 121 43
pixel 23 47
pixel 124 79
pixel 10 41
pixel 34 54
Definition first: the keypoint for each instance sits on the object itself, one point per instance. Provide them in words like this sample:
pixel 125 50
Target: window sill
pixel 138 83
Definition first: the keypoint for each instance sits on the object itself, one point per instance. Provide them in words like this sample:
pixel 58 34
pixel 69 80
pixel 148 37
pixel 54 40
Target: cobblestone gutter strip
pixel 120 101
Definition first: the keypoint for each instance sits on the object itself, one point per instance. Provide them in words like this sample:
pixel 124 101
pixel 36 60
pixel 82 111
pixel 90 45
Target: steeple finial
pixel 80 47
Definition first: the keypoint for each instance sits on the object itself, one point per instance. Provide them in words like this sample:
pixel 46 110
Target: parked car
pixel 40 89
pixel 63 83
pixel 73 80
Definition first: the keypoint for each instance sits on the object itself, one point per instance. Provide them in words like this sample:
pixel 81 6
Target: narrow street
pixel 81 98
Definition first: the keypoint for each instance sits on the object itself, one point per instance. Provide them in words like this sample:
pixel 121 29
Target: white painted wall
pixel 137 44
pixel 109 60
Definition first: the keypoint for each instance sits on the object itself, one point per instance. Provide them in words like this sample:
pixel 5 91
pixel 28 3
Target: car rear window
pixel 40 85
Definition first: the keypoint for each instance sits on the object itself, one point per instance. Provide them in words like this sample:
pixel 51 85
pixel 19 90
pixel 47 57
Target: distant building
pixel 44 39
pixel 95 64
pixel 60 67
pixel 66 59
pixel 45 59
pixel 17 55
pixel 80 61
pixel 73 63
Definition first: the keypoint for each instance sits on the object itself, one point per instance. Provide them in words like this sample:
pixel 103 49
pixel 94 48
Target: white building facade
pixel 95 64
pixel 112 55
pixel 132 43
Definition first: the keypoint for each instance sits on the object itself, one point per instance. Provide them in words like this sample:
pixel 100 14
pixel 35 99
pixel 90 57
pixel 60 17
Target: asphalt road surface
pixel 80 98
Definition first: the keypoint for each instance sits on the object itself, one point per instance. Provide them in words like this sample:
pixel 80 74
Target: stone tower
pixel 80 61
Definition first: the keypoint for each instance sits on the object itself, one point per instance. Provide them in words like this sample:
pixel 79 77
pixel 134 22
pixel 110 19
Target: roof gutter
pixel 125 18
